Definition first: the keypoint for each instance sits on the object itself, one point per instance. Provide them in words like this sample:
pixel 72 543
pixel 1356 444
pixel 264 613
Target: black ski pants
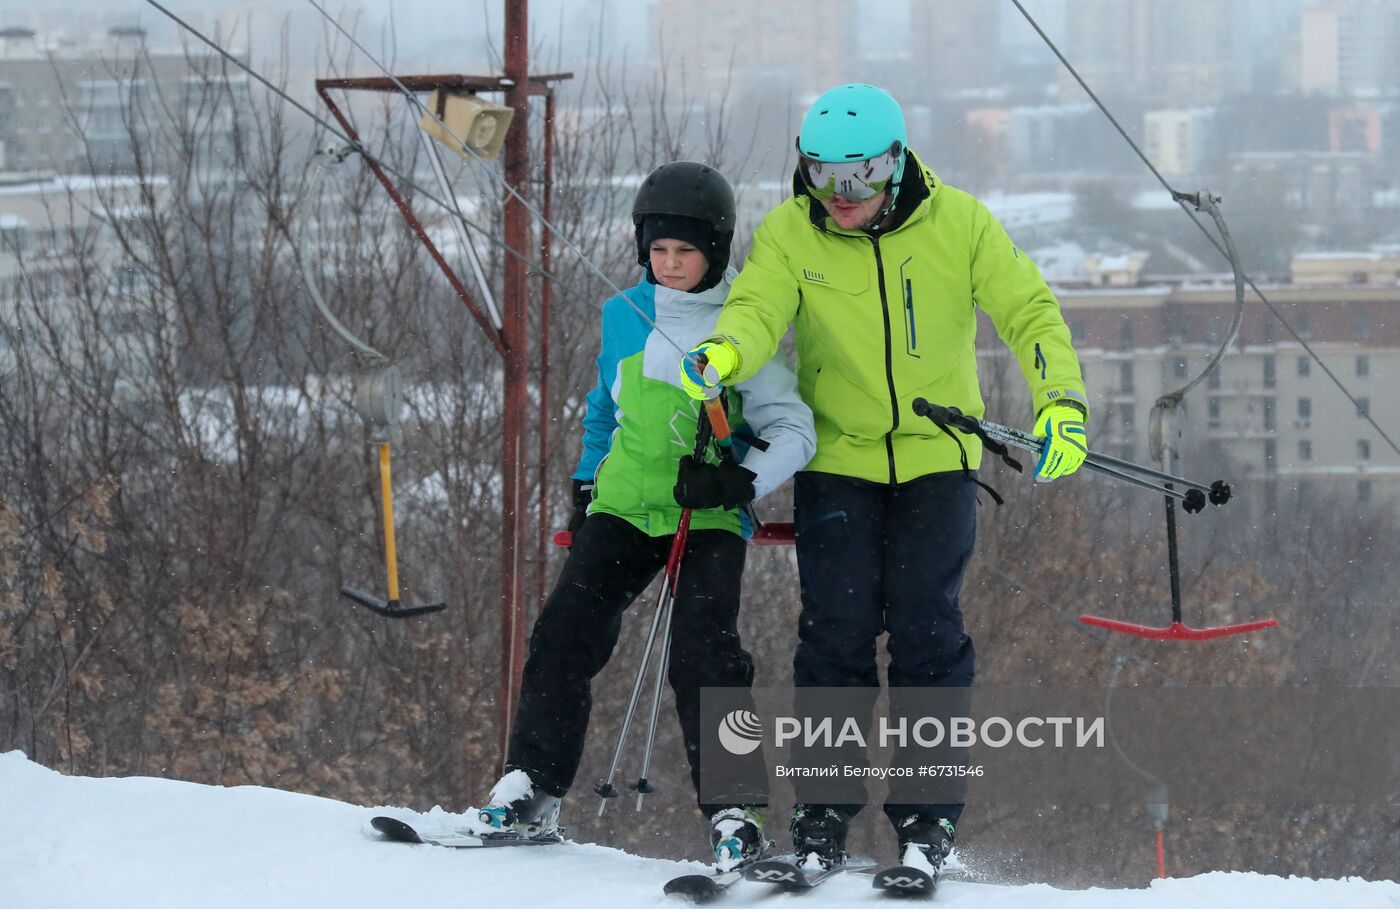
pixel 877 558
pixel 610 564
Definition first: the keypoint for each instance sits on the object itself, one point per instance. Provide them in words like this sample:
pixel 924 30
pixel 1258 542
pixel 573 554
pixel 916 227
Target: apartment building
pixel 1165 51
pixel 1350 46
pixel 805 45
pixel 1270 411
pixel 956 43
pixel 44 221
pixel 91 107
pixel 1181 141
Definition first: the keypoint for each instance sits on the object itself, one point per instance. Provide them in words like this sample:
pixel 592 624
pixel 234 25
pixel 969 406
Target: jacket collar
pixel 713 297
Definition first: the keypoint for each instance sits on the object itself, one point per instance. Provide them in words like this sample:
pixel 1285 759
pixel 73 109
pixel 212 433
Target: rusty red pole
pixel 546 250
pixel 516 164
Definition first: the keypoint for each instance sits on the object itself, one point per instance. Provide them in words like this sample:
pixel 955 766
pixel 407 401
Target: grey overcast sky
pixel 433 28
pixel 881 20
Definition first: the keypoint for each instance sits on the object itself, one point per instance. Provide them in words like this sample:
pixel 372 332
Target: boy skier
pixel 633 479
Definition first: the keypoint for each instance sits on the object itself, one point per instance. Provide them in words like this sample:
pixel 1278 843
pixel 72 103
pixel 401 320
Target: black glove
pixel 701 485
pixel 582 496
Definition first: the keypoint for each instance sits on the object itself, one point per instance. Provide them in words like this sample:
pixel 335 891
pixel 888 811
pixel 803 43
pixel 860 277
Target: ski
pixel 904 880
pixel 785 872
pixel 396 831
pixel 702 888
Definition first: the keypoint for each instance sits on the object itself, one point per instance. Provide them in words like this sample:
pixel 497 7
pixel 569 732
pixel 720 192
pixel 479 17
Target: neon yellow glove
pixel 706 368
pixel 1066 442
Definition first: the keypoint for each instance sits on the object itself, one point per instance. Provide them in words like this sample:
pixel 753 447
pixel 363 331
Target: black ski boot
pixel 737 836
pixel 518 806
pixel 924 841
pixel 821 832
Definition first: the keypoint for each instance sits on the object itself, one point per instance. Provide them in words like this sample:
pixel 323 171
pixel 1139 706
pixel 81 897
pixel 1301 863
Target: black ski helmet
pixel 687 189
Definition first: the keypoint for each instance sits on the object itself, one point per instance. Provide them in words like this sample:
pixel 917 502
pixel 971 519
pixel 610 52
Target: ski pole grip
pixel 714 408
pixel 944 417
pixel 719 421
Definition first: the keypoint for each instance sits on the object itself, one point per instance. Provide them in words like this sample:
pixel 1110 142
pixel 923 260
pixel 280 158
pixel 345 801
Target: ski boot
pixel 924 843
pixel 519 808
pixel 819 834
pixel 737 835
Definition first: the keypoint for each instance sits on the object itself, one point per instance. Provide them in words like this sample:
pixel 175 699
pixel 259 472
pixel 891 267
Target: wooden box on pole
pixel 480 124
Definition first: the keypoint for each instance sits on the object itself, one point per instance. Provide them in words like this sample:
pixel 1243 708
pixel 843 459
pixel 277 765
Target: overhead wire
pixel 1181 200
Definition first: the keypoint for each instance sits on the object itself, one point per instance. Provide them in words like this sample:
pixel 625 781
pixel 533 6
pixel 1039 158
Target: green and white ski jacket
pixel 639 421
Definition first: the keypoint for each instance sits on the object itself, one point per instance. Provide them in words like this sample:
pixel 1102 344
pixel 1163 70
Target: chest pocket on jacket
pixel 931 310
pixel 831 280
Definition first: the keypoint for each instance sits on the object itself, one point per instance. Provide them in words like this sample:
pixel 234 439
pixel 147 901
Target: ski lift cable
pixel 1211 205
pixel 370 356
pixel 1182 200
pixel 499 178
pixel 1112 738
pixel 359 148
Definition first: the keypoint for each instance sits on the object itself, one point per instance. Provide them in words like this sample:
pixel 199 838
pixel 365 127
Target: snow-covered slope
pixel 139 843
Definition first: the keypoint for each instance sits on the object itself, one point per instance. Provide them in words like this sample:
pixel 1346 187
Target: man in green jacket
pixel 880 267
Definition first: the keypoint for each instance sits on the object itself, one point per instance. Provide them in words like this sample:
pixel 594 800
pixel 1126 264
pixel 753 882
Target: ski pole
pixel 1194 499
pixel 673 570
pixel 718 421
pixel 1026 441
pixel 716 424
pixel 714 409
pixel 606 789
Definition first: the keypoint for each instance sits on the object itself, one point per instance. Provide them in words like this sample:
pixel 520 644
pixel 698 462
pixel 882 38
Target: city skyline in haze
pixel 430 30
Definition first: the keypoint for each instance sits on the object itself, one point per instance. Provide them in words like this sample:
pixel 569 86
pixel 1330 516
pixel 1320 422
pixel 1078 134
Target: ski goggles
pixel 852 180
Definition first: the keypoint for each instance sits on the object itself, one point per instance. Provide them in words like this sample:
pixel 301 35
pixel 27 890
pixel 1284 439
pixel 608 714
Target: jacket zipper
pixel 889 360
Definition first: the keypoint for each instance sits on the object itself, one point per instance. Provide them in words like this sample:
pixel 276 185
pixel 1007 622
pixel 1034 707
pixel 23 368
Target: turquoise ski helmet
pixel 851 122
pixel 846 125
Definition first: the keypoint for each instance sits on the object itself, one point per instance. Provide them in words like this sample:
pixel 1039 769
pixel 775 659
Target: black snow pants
pixel 610 564
pixel 877 558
